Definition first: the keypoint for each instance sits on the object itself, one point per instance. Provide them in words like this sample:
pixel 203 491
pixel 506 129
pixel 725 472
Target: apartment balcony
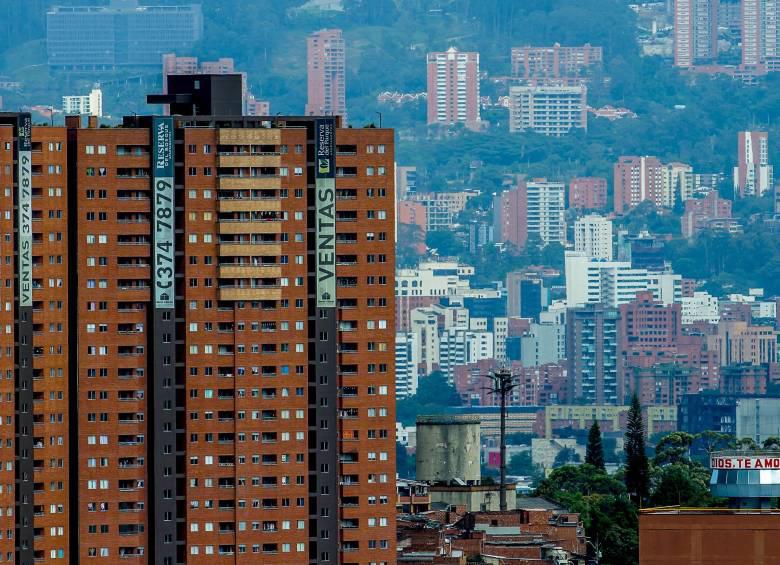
pixel 248 160
pixel 249 249
pixel 249 272
pixel 250 293
pixel 349 546
pixel 249 226
pixel 246 136
pixel 249 204
pixel 228 182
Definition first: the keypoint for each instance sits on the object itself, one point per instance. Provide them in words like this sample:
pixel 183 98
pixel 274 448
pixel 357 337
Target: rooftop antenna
pixel 503 384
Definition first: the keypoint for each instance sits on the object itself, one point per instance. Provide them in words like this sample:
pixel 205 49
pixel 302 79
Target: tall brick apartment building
pixel 198 339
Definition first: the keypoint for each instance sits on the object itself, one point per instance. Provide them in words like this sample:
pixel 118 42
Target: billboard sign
pixel 745 462
pixel 164 212
pixel 325 186
pixel 24 208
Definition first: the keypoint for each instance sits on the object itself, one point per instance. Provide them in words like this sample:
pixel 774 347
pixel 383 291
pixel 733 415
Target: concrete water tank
pixel 448 447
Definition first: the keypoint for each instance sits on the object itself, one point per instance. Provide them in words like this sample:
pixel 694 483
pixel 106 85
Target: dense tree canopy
pixel 594 453
pixel 607 513
pixel 434 396
pixel 637 467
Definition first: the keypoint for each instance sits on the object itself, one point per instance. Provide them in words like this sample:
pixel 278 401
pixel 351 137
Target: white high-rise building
pixel 407 358
pixel 753 175
pixel 546 210
pixel 701 307
pixel 677 183
pixel 500 333
pixel 593 236
pixel 90 104
pixel 549 110
pixel 544 343
pixel 460 346
pixel 613 283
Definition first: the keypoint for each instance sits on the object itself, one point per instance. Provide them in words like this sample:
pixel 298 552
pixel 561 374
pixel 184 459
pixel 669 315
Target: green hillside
pixel 693 119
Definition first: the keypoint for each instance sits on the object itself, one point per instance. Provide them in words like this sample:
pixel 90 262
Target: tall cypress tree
pixel 594 453
pixel 637 469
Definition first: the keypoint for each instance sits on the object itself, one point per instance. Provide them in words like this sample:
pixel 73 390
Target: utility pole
pixel 502 385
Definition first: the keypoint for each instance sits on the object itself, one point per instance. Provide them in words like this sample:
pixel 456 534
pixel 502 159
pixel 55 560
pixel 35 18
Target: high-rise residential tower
pixel 453 88
pixel 534 209
pixel 753 175
pixel 326 67
pixel 548 109
pixel 554 61
pixel 761 35
pixel 589 193
pixel 592 353
pixel 695 32
pixel 199 338
pixel 638 179
pixel 593 236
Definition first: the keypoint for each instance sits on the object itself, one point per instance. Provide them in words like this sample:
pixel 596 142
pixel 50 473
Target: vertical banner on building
pixel 24 467
pixel 161 387
pixel 24 209
pixel 325 379
pixel 163 222
pixel 325 185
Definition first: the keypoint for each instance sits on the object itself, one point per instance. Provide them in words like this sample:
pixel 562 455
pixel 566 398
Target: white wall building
pixel 425 324
pixel 90 104
pixel 753 175
pixel 677 183
pixel 763 309
pixel 544 343
pixel 555 313
pixel 406 435
pixel 549 110
pixel 407 358
pixel 500 332
pixel 701 307
pixel 613 283
pixel 459 346
pixel 593 236
pixel 432 278
pixel 546 210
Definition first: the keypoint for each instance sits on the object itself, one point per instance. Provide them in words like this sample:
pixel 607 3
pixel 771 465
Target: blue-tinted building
pixel 122 34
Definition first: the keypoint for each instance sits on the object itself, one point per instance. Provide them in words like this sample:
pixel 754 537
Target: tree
pixel 579 479
pixel 519 438
pixel 434 396
pixel 713 441
pixel 682 484
pixel 637 467
pixel 411 245
pixel 746 444
pixel 444 242
pixel 405 463
pixel 604 507
pixel 673 448
pixel 594 452
pixel 771 443
pixel 522 465
pixel 677 479
pixel 565 456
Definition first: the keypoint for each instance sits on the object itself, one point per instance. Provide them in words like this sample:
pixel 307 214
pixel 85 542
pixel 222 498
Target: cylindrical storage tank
pixel 448 447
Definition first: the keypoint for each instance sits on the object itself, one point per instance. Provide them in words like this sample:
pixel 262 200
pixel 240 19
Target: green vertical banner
pixel 24 208
pixel 163 205
pixel 325 184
